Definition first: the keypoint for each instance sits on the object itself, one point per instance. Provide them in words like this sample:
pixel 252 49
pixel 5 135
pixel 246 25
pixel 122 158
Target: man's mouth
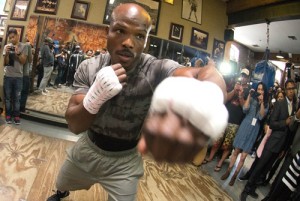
pixel 125 55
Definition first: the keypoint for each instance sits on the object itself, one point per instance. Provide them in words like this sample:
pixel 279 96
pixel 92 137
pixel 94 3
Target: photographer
pixel 15 56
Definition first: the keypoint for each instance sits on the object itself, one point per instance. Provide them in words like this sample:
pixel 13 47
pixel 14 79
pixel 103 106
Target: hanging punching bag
pixel 264 72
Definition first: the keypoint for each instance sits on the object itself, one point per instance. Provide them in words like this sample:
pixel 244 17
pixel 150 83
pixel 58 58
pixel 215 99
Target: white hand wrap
pixel 105 86
pixel 200 102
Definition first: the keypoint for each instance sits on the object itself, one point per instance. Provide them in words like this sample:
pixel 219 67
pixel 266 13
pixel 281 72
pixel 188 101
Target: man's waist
pixel 108 143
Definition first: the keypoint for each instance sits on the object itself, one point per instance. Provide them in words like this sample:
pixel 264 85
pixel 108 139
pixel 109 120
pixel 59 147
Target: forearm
pixel 21 58
pixel 78 118
pixel 247 102
pixel 6 60
pixel 83 108
pixel 230 95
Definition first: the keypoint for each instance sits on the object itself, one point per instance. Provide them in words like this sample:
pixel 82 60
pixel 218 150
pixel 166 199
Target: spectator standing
pixel 74 61
pixel 48 64
pixel 255 108
pixel 15 55
pixel 62 67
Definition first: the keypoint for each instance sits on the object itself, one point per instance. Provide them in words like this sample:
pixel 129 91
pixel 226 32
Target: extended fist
pixel 184 114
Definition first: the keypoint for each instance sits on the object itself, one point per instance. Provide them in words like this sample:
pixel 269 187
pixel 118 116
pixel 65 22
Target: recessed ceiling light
pixel 292 37
pixel 279 56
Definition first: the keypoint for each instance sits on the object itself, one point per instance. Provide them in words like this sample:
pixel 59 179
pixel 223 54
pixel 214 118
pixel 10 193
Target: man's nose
pixel 128 42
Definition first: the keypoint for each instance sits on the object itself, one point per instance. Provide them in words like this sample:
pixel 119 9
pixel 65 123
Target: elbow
pixel 74 129
pixel 73 126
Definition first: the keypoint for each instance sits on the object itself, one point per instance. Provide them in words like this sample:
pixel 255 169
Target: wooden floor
pixel 30 162
pixel 54 103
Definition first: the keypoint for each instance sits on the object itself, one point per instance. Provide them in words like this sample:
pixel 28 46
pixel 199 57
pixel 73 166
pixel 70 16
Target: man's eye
pixel 119 31
pixel 140 36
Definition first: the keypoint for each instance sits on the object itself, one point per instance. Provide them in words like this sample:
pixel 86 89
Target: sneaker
pixel 58 195
pixel 8 119
pixel 46 91
pixel 17 120
pixel 59 86
pixel 55 86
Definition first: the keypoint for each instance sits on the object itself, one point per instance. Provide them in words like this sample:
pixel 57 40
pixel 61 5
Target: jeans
pixel 47 75
pixel 60 73
pixel 12 92
pixel 24 93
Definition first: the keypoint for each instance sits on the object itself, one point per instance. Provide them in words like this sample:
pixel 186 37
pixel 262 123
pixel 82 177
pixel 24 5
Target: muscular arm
pixel 173 136
pixel 77 116
pixel 207 73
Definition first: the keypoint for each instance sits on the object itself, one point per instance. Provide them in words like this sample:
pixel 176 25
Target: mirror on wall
pixel 183 54
pixel 67 36
pixel 78 41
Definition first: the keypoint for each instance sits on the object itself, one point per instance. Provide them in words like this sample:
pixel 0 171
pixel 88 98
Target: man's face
pixel 127 37
pixel 243 79
pixel 290 90
pixel 13 38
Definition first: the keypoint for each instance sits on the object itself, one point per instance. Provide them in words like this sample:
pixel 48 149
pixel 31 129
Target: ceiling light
pixel 292 37
pixel 279 56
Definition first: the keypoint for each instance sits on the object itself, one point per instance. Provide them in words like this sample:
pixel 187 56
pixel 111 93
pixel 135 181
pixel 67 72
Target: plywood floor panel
pixel 29 164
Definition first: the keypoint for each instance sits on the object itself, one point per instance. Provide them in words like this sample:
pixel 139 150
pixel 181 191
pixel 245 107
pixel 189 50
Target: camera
pixel 255 94
pixel 12 50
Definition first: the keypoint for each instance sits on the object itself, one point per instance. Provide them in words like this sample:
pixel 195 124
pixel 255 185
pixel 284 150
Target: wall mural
pixel 88 36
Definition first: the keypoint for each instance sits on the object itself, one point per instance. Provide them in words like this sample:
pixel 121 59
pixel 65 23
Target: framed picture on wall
pixel 3 19
pixel 20 30
pixel 176 32
pixel 47 7
pixel 199 38
pixel 153 8
pixel 80 10
pixel 192 10
pixel 218 50
pixel 7 5
pixel 20 10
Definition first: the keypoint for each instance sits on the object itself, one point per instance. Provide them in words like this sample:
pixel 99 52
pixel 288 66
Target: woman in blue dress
pixel 255 107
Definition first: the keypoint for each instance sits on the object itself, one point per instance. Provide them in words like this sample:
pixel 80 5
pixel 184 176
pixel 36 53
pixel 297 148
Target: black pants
pixel 279 191
pixel 261 167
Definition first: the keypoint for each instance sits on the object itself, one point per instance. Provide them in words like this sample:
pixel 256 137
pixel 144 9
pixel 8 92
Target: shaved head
pixel 134 12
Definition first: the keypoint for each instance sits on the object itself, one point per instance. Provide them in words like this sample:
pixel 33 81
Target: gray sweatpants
pixel 117 172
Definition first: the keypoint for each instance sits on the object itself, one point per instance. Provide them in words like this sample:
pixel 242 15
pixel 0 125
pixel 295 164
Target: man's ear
pixel 107 29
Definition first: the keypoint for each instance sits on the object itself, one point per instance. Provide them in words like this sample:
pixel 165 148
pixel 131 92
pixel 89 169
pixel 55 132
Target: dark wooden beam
pixel 274 12
pixel 234 6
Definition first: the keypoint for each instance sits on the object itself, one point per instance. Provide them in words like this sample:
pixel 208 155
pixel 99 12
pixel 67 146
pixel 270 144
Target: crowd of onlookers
pixel 262 123
pixel 66 59
pixel 56 65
